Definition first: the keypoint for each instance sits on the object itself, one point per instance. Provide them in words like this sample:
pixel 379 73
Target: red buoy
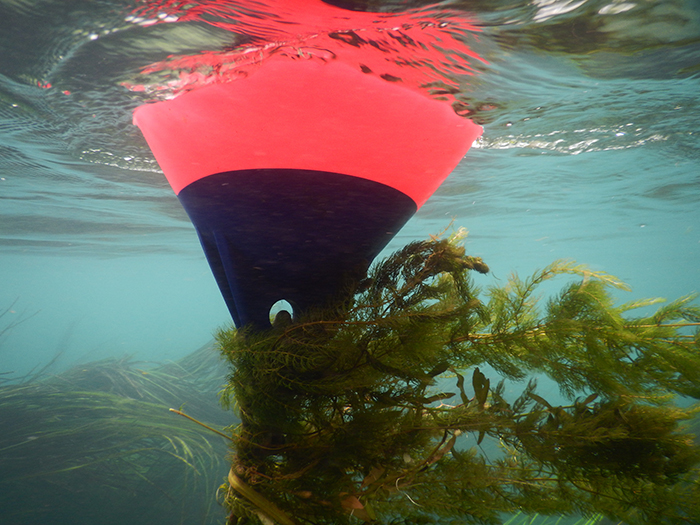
pixel 298 175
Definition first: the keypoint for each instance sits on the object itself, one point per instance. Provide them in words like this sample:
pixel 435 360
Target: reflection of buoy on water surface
pixel 300 174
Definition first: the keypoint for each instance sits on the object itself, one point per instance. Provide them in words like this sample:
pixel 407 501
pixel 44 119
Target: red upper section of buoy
pixel 309 115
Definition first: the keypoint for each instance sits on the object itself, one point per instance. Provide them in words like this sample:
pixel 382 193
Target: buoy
pixel 297 176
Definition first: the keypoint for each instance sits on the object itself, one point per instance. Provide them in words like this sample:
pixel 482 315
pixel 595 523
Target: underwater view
pixel 112 313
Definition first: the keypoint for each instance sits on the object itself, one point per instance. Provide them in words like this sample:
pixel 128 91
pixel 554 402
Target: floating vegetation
pixel 97 444
pixel 391 405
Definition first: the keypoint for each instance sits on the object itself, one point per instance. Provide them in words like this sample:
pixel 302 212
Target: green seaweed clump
pixel 395 404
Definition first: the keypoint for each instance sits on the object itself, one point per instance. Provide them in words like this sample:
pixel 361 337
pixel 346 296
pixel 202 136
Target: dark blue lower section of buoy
pixel 294 235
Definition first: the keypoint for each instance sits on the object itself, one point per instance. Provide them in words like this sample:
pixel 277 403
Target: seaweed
pixel 390 405
pixel 97 444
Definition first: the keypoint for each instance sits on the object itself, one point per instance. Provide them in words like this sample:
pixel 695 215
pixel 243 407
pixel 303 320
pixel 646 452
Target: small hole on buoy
pixel 281 313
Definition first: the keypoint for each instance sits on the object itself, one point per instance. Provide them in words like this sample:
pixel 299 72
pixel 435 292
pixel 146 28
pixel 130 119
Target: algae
pixel 390 404
pixel 96 444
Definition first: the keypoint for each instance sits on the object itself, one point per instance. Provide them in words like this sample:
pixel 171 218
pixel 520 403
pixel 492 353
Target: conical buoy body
pixel 300 174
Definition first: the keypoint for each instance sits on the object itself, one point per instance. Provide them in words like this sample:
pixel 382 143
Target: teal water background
pixel 99 291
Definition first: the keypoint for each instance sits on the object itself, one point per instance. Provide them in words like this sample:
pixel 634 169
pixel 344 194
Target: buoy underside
pixel 294 235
